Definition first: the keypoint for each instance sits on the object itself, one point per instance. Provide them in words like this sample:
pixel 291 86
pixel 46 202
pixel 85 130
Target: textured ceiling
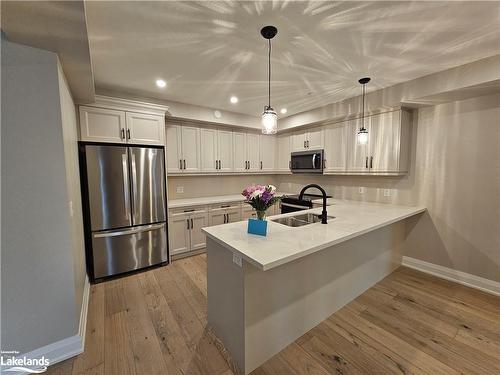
pixel 208 51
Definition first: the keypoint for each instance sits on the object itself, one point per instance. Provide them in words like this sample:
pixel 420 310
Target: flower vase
pixel 261 215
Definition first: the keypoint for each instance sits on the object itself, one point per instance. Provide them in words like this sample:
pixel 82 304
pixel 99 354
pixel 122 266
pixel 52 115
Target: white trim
pixel 69 347
pixel 128 105
pixel 463 278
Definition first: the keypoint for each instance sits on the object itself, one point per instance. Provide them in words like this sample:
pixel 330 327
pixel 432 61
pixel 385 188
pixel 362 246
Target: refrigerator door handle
pixel 134 181
pixel 142 229
pixel 126 193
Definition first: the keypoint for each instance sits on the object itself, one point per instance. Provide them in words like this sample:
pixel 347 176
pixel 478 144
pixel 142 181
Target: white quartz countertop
pixel 176 203
pixel 284 244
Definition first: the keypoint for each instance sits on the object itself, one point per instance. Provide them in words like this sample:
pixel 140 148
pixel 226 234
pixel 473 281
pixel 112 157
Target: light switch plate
pixel 237 260
pixel 180 189
pixel 361 190
pixel 387 192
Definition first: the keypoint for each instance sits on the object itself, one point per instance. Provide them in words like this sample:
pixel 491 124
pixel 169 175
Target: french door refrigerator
pixel 124 207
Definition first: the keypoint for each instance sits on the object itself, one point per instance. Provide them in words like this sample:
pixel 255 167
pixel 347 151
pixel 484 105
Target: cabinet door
pixel 225 150
pixel 102 125
pixel 239 152
pixel 336 142
pixel 298 141
pixel 357 154
pixel 267 153
pixel 190 149
pixel 253 152
pixel 178 234
pixel 283 143
pixel 145 129
pixel 217 216
pixel 384 147
pixel 173 149
pixel 208 150
pixel 198 240
pixel 233 215
pixel 315 139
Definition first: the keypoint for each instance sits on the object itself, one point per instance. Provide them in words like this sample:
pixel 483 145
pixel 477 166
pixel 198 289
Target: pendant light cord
pixel 363 109
pixel 269 77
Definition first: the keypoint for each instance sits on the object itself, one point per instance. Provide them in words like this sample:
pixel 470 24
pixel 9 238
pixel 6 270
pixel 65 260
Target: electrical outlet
pixel 387 192
pixel 361 190
pixel 180 189
pixel 237 259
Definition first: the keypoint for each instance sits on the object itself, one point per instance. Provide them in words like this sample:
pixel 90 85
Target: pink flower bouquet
pixel 260 197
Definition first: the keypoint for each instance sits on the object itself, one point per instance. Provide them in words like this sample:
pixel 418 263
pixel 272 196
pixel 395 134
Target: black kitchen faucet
pixel 323 192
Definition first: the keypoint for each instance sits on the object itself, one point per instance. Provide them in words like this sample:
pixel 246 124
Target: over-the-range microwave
pixel 310 161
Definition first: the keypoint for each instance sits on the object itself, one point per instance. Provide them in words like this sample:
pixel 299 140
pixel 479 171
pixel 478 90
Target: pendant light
pixel 269 116
pixel 363 133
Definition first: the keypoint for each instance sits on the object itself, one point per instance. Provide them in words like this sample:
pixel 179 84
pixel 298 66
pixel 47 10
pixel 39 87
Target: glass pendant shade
pixel 362 136
pixel 269 121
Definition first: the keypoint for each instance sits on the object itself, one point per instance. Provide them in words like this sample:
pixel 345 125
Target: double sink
pixel 300 220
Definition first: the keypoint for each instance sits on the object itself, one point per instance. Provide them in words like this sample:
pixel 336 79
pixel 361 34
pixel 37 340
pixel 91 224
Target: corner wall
pixel 455 173
pixel 40 295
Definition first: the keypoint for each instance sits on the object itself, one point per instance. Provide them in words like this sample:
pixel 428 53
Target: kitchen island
pixel 265 292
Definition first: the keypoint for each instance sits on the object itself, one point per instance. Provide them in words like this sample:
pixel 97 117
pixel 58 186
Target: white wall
pixel 39 291
pixel 455 173
pixel 70 139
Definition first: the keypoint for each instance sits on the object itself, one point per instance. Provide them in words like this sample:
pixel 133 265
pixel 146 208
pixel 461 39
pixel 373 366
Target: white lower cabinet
pixel 225 213
pixel 185 233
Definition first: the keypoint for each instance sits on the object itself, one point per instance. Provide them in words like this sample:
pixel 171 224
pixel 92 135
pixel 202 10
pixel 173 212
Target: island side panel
pixel 283 303
pixel 225 294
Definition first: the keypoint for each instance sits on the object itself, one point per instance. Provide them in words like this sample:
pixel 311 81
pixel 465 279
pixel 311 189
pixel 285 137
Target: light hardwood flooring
pixel 409 323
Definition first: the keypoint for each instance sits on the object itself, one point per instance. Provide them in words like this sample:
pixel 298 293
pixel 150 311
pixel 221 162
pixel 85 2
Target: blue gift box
pixel 256 226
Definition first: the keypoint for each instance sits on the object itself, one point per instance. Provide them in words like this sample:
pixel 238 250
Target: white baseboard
pixel 463 278
pixel 69 347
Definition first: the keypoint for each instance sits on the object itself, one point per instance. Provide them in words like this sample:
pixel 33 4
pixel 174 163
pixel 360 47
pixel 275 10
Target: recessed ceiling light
pixel 233 99
pixel 283 110
pixel 161 83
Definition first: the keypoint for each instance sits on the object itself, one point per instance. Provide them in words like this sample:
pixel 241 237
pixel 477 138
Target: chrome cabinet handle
pixel 122 133
pixel 128 133
pixel 366 162
pixel 371 162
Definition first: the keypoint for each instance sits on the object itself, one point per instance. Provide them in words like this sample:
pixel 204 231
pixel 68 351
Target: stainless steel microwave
pixel 310 161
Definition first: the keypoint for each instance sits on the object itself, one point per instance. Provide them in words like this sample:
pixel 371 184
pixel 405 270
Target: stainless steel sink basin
pixel 300 220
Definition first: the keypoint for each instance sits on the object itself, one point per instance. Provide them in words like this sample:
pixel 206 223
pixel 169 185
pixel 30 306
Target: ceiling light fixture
pixel 269 116
pixel 363 133
pixel 233 99
pixel 161 83
pixel 283 110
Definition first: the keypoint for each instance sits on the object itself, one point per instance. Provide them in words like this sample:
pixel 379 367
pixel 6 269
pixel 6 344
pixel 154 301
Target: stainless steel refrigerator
pixel 125 208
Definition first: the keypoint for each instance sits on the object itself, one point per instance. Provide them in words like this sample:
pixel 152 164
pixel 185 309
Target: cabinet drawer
pixel 186 211
pixel 225 206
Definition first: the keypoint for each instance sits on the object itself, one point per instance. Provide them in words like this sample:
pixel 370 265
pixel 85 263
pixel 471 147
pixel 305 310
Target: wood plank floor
pixel 409 323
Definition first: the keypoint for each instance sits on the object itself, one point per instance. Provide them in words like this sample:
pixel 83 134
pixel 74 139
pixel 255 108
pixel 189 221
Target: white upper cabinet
pixel 253 152
pixel 174 148
pixel 283 155
pixel 114 126
pixel 183 149
pixel 336 145
pixel 387 149
pixel 190 137
pixel 357 154
pixel 310 139
pixel 208 141
pixel 225 150
pixel 267 153
pixel 145 129
pixel 240 152
pixel 102 125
